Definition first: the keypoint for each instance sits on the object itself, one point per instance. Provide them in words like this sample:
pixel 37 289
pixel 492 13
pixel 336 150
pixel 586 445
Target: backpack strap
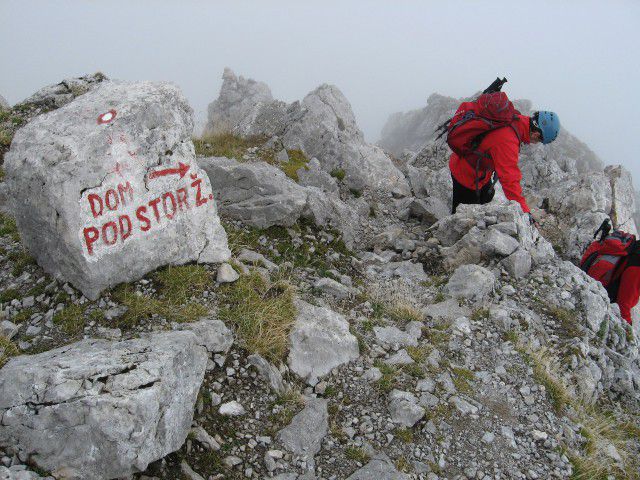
pixel 588 263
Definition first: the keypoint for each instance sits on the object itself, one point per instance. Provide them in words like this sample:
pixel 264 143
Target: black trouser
pixel 462 194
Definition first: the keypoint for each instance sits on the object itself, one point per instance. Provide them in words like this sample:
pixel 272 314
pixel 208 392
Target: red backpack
pixel 605 259
pixel 473 121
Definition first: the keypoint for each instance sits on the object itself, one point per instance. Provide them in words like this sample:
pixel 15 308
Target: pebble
pixel 231 409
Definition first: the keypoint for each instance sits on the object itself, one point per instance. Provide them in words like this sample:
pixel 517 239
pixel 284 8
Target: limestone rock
pixel 320 341
pixel 226 274
pixel 4 105
pixel 518 264
pixel 303 436
pixel 314 176
pixel 404 408
pixel 212 334
pixel 470 281
pixel 322 125
pixel 105 189
pixel 269 372
pixel 238 105
pixel 331 287
pixel 118 405
pixel 380 467
pixel 17 472
pixel 56 96
pixel 394 336
pixel 623 199
pixel 259 194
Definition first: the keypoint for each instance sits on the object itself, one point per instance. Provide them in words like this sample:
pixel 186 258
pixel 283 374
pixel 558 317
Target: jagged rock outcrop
pixel 104 198
pixel 4 105
pixel 479 233
pixel 411 131
pixel 99 410
pixel 609 358
pixel 322 125
pixel 238 105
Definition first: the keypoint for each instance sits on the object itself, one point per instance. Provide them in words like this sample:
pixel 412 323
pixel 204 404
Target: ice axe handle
pixel 496 86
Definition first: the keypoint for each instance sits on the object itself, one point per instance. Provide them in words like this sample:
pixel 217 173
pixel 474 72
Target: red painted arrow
pixel 182 170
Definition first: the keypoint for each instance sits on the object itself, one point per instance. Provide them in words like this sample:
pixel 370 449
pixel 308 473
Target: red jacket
pixel 503 146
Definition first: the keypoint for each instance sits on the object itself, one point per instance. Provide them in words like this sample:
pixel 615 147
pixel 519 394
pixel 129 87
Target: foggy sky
pixel 579 58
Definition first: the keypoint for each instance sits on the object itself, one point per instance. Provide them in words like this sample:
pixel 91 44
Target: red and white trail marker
pixel 107 117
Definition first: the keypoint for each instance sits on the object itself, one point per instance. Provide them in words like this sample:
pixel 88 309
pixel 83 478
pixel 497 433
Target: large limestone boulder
pixel 261 195
pixel 257 193
pixel 320 341
pixel 322 125
pixel 105 189
pixel 98 409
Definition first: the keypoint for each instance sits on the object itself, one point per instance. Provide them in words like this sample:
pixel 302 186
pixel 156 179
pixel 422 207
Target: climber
pixel 487 151
pixel 614 260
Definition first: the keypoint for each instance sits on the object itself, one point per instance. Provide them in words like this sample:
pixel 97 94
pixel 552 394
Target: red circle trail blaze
pixel 107 117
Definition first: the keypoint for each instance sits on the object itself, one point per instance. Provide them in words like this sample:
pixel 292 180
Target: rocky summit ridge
pixel 281 299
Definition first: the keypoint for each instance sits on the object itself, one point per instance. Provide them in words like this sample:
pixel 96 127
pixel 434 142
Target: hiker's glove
pixel 533 221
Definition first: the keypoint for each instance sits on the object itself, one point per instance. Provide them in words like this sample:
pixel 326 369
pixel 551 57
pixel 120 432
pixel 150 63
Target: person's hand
pixel 533 221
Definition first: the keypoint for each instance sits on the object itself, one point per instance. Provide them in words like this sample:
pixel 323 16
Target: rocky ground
pixel 402 343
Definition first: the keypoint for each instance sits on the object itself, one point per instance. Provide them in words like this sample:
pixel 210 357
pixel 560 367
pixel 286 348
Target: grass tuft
pixel 8 227
pixel 404 434
pixel 297 160
pixel 179 283
pixel 70 319
pixel 9 294
pixel 8 349
pixel 356 454
pixel 142 307
pixel 225 145
pixel 338 174
pixel 22 259
pixel 262 313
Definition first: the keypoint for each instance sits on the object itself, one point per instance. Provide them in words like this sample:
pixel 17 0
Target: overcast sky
pixel 579 58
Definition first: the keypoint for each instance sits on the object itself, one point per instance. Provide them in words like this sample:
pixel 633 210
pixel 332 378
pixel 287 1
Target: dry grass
pixel 70 319
pixel 225 145
pixel 179 283
pixel 604 435
pixel 404 434
pixel 395 302
pixel 545 372
pixel 141 307
pixel 356 454
pixel 603 432
pixel 262 312
pixel 8 349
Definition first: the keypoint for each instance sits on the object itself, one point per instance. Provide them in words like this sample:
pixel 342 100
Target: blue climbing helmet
pixel 547 123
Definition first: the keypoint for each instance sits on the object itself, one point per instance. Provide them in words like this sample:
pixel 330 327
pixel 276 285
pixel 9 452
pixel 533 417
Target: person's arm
pixel 629 291
pixel 505 160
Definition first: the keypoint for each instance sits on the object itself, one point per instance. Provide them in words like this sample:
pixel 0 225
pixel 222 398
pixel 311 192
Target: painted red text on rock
pixel 113 225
